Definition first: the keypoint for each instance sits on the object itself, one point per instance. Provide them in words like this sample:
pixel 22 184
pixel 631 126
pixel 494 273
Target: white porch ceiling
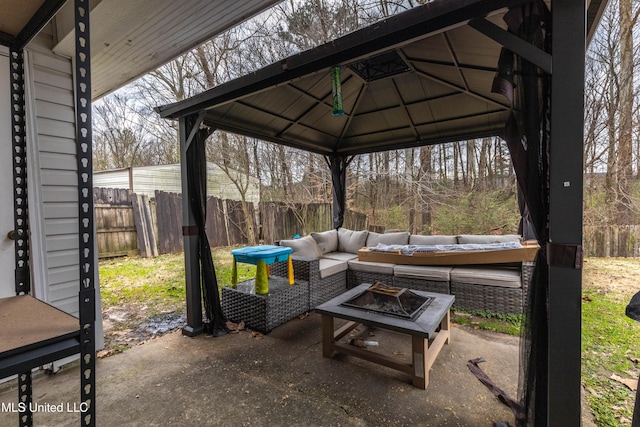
pixel 130 38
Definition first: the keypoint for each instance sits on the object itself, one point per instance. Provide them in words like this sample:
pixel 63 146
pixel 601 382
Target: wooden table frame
pixel 423 352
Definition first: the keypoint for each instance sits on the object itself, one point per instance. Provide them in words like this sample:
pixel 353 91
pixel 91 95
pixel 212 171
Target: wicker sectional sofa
pixel 328 261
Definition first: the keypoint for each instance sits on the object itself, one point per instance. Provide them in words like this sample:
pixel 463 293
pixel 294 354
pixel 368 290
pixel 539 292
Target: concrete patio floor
pixel 281 379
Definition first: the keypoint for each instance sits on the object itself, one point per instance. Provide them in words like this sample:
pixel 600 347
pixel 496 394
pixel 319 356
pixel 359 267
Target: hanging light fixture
pixel 336 90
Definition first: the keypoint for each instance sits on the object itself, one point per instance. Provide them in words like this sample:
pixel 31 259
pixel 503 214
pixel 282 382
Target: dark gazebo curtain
pixel 527 135
pixel 215 323
pixel 338 165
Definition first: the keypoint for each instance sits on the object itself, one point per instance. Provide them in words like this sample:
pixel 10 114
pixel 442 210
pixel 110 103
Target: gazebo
pixel 449 70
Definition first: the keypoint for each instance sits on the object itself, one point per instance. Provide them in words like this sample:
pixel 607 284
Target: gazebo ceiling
pixel 420 77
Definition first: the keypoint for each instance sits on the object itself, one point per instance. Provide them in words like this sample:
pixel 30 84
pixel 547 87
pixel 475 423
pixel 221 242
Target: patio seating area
pixel 282 379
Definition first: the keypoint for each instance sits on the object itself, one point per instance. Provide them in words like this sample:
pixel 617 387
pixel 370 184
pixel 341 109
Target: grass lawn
pixel 135 290
pixel 610 340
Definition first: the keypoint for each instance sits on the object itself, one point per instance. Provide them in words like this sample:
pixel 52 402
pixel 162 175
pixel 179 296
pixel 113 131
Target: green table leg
pixel 262 278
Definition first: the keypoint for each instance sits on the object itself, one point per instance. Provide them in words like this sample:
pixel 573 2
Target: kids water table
pixel 262 256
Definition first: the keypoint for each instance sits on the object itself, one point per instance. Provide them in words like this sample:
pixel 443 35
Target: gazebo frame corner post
pixel 565 212
pixel 195 325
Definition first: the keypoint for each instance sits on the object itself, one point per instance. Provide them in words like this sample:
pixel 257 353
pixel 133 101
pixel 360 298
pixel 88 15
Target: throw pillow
pixel 401 238
pixel 351 241
pixel 304 247
pixel 327 241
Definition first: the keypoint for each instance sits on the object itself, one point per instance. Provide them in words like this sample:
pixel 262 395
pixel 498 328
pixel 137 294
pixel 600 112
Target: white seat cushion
pixel 490 276
pixel 433 273
pixel 329 267
pixel 340 256
pixel 372 267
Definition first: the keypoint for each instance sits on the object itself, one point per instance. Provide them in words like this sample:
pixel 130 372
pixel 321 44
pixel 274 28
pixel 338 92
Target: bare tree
pixel 625 147
pixel 121 139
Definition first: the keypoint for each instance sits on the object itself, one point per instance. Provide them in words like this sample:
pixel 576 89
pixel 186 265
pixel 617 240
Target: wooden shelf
pixel 33 333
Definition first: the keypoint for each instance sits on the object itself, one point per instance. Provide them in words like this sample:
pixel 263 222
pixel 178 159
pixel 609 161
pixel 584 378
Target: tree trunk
pixel 471 163
pixel 625 150
pixel 424 187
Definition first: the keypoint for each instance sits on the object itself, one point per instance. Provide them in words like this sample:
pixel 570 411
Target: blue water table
pixel 262 256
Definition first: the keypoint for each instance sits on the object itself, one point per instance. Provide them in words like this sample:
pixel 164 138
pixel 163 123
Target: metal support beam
pixel 565 211
pixel 19 149
pixel 516 45
pixel 195 128
pixel 25 393
pixel 84 141
pixel 190 237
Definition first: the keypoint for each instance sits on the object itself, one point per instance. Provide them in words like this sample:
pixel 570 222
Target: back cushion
pixel 351 241
pixel 327 240
pixel 304 247
pixel 432 240
pixel 401 238
pixel 482 239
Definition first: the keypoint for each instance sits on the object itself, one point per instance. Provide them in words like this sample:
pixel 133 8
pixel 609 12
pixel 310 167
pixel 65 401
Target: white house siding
pixel 53 179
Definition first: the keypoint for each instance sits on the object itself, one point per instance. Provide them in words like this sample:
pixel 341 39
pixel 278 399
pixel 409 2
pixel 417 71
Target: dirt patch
pixel 128 325
pixel 616 277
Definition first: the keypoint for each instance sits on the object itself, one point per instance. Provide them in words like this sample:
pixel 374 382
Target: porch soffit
pixel 132 38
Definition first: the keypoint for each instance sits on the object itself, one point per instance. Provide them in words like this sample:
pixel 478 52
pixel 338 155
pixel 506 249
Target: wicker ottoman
pixel 265 312
pixel 432 278
pixel 422 285
pixel 325 289
pixel 496 289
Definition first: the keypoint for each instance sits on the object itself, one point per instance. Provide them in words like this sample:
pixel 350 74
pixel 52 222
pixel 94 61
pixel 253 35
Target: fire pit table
pixel 428 326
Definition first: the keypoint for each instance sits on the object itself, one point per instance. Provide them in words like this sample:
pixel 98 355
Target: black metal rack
pixel 35 333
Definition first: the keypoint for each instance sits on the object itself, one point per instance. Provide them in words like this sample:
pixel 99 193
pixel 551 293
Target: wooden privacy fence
pixel 115 227
pixel 128 224
pixel 225 223
pixel 612 241
pixel 125 223
pixel 285 220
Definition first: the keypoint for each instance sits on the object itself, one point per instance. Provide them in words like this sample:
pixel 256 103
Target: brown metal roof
pixel 436 86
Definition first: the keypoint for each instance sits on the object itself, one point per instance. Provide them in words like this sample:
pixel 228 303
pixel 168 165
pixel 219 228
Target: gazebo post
pixel 190 237
pixel 565 213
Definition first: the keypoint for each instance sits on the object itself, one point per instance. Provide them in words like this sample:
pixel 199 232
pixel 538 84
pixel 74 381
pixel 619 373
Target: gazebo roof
pixel 421 77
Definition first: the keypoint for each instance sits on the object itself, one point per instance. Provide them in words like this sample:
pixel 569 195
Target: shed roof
pixel 421 77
